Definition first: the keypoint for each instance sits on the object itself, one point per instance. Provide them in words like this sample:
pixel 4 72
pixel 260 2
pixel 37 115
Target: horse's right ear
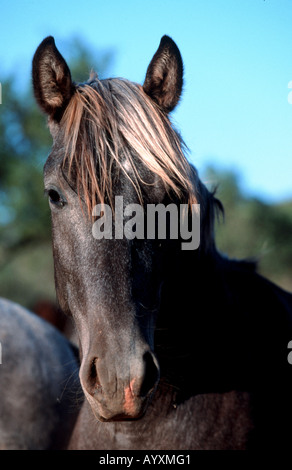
pixel 52 83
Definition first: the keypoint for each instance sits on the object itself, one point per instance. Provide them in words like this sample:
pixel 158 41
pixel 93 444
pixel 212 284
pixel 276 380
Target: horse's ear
pixel 164 77
pixel 52 83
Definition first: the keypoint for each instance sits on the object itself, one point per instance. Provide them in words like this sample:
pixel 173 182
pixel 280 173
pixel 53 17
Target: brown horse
pixel 179 348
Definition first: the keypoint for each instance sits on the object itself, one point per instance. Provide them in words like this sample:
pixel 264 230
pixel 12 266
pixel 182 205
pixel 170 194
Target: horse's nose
pixel 143 378
pixel 120 387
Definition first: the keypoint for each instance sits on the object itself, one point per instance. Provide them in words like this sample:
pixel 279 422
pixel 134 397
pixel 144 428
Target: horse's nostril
pixel 93 373
pixel 151 374
pixel 93 381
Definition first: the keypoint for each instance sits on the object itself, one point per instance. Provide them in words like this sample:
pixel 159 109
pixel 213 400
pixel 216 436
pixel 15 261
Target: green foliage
pixel 24 141
pixel 253 229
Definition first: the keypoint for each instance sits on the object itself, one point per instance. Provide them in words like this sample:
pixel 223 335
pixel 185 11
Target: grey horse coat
pixel 38 368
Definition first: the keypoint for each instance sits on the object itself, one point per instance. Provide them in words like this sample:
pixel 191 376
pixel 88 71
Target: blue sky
pixel 237 55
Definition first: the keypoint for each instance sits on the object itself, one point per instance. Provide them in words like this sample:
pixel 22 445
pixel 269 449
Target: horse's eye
pixel 55 198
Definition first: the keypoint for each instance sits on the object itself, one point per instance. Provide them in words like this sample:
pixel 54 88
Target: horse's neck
pixel 202 326
pixel 216 316
pixel 193 284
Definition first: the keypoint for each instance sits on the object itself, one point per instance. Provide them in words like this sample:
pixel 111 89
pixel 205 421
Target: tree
pixel 254 229
pixel 24 146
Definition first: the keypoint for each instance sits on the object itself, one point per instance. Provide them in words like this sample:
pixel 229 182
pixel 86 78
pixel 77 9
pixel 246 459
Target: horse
pixel 38 381
pixel 181 348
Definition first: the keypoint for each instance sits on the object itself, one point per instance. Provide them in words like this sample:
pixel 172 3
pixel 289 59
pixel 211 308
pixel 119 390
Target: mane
pixel 111 125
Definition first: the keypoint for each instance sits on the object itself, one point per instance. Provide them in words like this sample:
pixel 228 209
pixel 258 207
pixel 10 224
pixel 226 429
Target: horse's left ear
pixel 52 83
pixel 164 77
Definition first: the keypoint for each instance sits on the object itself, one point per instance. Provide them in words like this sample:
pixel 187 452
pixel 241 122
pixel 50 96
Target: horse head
pixel 112 138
